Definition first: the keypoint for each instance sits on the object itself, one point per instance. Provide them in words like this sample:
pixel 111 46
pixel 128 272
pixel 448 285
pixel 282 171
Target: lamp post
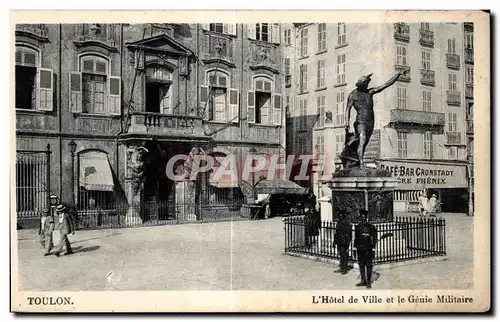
pixel 72 149
pixel 253 151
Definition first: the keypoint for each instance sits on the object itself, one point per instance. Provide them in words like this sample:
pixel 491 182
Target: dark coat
pixel 360 241
pixel 343 233
pixel 312 221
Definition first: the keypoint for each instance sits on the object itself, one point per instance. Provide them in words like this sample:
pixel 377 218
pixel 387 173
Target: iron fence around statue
pixel 404 238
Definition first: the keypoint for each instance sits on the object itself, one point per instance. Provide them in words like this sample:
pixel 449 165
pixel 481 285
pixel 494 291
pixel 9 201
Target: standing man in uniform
pixel 365 240
pixel 66 226
pixel 342 238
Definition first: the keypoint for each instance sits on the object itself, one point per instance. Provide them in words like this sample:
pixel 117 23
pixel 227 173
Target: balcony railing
pixel 469 91
pixel 453 97
pixel 417 117
pixel 470 127
pixel 427 77
pixel 453 138
pixel 401 68
pixel 402 32
pixel 469 55
pixel 452 61
pixel 426 38
pixel 288 80
pixel 157 123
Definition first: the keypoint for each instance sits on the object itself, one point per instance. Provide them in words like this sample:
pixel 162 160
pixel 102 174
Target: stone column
pixel 134 182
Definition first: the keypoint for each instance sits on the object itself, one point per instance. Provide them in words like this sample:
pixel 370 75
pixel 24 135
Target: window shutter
pixel 114 95
pixel 231 28
pixel 234 107
pixel 44 89
pixel 204 101
pixel 75 96
pixel 251 107
pixel 275 33
pixel 277 108
pixel 251 31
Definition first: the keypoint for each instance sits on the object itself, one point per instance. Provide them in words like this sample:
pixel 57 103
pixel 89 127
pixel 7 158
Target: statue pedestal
pixel 133 215
pixel 362 188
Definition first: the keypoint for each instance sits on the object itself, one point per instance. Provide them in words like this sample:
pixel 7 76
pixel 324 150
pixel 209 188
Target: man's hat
pixel 60 208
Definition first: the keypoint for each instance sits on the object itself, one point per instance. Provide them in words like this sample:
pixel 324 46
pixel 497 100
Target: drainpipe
pixel 60 113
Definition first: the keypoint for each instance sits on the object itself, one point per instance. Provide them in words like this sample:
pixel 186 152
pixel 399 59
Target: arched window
pixel 264 105
pixel 93 89
pixel 219 101
pixel 33 83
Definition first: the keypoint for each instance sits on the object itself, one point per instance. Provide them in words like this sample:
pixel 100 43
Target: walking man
pixel 365 240
pixel 66 226
pixel 45 232
pixel 342 238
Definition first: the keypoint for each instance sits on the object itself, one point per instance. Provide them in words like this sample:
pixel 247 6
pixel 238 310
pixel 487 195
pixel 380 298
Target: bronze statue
pixel 362 100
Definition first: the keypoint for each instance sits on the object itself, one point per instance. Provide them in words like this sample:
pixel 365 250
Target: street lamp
pixel 253 151
pixel 72 149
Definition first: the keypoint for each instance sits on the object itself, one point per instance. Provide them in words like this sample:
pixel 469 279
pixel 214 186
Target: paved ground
pixel 245 255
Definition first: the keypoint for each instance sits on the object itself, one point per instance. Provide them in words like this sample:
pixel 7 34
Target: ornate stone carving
pixel 136 158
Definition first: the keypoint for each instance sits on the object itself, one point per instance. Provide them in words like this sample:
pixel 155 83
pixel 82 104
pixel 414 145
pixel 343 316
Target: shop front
pixel 447 180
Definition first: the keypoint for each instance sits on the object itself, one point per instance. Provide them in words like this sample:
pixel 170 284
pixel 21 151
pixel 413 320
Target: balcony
pixel 219 47
pixel 453 97
pixel 402 32
pixel 166 125
pixel 426 38
pixel 288 80
pixel 470 127
pixel 452 61
pixel 469 91
pixel 427 77
pixel 402 116
pixel 469 55
pixel 403 78
pixel 453 138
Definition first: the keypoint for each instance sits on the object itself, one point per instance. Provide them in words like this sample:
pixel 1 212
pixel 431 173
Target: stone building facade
pixel 130 97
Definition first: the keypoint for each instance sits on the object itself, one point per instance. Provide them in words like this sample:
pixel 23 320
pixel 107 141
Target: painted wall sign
pixel 415 176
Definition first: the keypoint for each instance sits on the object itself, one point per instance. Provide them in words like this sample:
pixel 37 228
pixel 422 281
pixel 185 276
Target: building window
pixel 321 37
pixel 288 36
pixel 303 42
pixel 94 75
pixel 452 81
pixel 426 101
pixel 287 66
pixel 452 153
pixel 339 143
pixel 269 32
pixel 264 106
pixel 340 109
pixel 402 97
pixel 320 146
pixel 26 78
pixel 425 26
pixel 452 122
pixel 303 114
pixel 217 27
pixel 221 100
pixel 402 145
pixel 469 41
pixel 451 46
pixel 159 90
pixel 341 34
pixel 401 55
pixel 303 78
pixel 428 145
pixel 469 75
pixel 341 69
pixel 426 59
pixel 321 74
pixel 222 28
pixel 321 110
